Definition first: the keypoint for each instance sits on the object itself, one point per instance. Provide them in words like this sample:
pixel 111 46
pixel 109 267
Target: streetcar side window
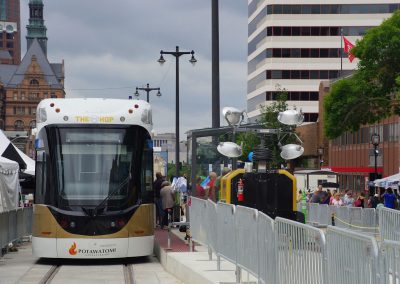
pixel 40 176
pixel 147 173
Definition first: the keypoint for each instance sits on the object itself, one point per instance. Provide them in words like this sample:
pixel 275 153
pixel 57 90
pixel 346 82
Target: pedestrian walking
pixel 167 197
pixel 157 188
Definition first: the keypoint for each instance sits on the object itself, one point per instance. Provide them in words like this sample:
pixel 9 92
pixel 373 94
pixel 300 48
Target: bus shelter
pixel 203 156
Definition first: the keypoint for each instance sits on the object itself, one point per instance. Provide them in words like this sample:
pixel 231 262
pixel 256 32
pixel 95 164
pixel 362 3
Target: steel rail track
pixel 50 274
pixel 128 274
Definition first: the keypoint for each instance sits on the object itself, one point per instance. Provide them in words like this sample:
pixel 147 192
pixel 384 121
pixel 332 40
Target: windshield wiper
pixel 94 212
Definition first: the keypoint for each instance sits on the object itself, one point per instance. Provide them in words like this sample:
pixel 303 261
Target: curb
pixel 181 270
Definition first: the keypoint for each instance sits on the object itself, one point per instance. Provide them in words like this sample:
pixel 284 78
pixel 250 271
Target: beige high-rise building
pixel 294 44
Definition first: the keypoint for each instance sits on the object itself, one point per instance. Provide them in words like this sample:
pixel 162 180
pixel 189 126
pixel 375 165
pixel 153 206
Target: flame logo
pixel 72 249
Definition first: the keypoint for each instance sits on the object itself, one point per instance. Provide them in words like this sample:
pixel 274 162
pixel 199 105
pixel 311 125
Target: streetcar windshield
pixel 94 164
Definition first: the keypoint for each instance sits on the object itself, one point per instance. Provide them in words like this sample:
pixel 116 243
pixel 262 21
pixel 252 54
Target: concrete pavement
pixel 174 266
pixel 195 267
pixel 22 268
pixel 14 265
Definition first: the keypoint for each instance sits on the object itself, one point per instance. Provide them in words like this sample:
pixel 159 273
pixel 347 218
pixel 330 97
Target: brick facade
pixel 21 101
pixel 10 41
pixel 352 154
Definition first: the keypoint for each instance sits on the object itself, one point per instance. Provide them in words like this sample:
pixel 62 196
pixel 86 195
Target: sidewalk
pixel 15 264
pixel 193 267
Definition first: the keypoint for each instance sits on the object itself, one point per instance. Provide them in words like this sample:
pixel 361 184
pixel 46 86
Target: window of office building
pixel 295 74
pixel 332 9
pixel 303 31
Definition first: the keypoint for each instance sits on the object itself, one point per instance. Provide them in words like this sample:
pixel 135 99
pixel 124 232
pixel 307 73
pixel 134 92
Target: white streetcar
pixel 94 171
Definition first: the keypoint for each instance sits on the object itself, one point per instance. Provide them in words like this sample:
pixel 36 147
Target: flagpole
pixel 341 52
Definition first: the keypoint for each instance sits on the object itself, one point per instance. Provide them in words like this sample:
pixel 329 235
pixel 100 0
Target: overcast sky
pixel 113 46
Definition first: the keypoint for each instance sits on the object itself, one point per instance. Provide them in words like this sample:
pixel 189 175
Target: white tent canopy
pixel 30 163
pixel 6 147
pixel 9 184
pixel 390 181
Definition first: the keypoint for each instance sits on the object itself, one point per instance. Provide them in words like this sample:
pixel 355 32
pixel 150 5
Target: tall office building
pixel 294 44
pixel 10 33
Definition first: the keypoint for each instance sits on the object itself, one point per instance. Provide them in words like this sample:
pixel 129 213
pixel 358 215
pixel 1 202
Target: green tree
pixel 250 140
pixel 371 94
pixel 184 170
pixel 269 119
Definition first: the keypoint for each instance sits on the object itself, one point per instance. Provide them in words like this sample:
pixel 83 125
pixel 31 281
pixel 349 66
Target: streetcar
pixel 94 172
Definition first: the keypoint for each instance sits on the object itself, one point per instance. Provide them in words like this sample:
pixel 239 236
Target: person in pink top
pixel 336 200
pixel 332 196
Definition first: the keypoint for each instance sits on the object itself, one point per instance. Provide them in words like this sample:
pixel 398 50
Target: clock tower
pixel 36 28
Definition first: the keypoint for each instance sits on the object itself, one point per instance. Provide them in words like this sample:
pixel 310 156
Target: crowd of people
pixel 168 197
pixel 384 197
pixel 210 187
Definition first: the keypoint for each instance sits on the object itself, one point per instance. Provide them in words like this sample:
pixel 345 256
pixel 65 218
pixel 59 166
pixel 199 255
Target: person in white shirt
pixel 348 199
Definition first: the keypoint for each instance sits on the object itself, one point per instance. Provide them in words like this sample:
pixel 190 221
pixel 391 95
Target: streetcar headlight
pixel 72 224
pixel 112 224
pixel 41 115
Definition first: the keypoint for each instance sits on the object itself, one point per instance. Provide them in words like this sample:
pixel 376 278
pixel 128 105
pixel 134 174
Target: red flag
pixel 347 48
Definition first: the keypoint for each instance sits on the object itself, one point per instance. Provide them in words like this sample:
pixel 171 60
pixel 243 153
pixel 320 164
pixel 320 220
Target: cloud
pixel 112 47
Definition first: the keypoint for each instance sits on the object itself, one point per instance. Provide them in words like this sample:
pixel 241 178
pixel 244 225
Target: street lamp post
pixel 375 139
pixel 148 90
pixel 192 60
pixel 320 156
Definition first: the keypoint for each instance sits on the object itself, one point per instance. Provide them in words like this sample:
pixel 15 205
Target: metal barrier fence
pixel 198 211
pixel 389 262
pixel 247 237
pixel 15 224
pixel 389 224
pixel 266 246
pixel 324 215
pixel 354 218
pixel 300 253
pixel 285 251
pixel 226 227
pixel 312 213
pixel 211 217
pixel 352 257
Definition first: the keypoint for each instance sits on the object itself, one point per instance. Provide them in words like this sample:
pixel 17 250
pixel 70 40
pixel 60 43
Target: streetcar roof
pixel 94 111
